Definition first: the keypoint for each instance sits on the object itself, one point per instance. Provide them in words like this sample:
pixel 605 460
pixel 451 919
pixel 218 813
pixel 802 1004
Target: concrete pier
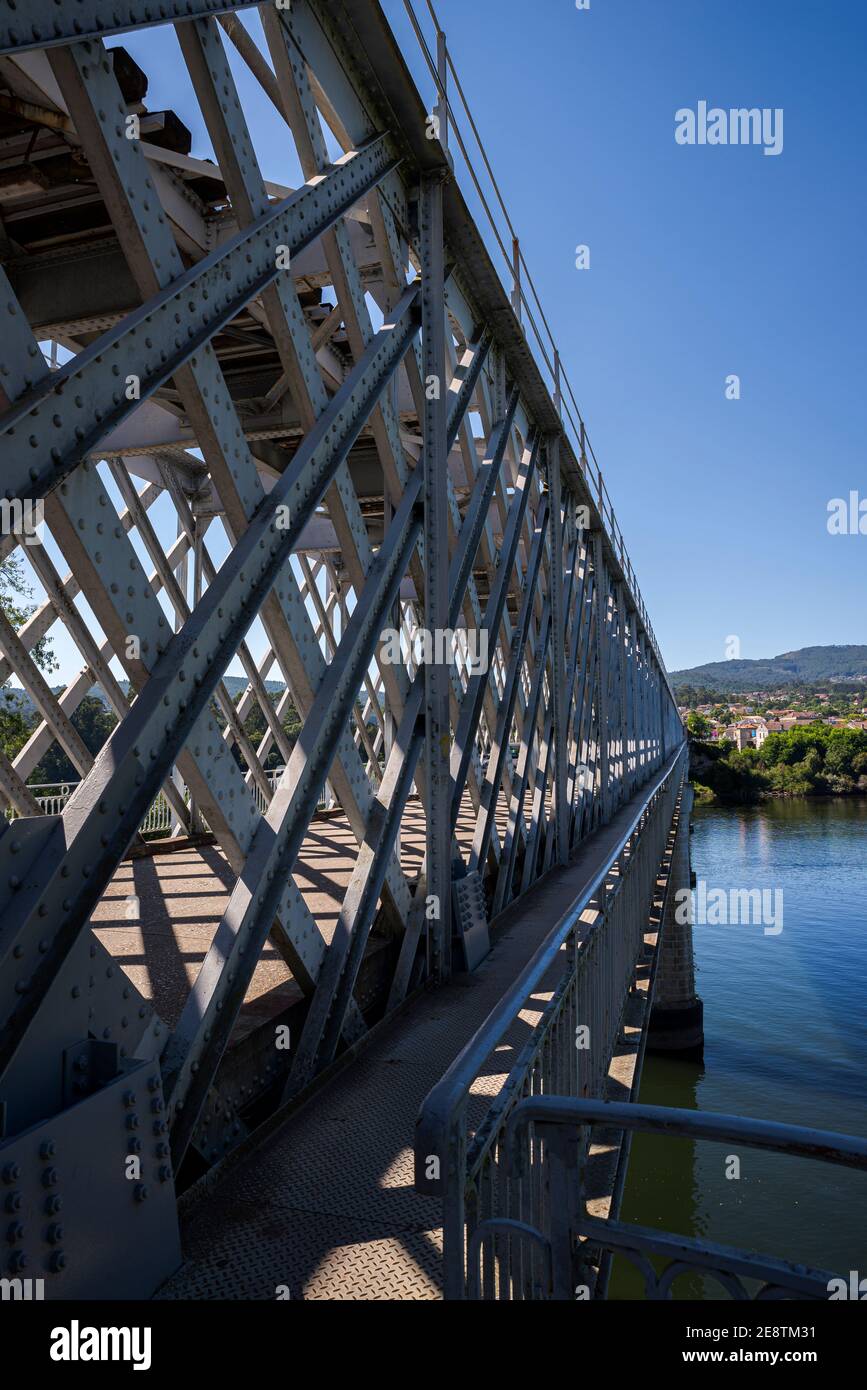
pixel 676 1019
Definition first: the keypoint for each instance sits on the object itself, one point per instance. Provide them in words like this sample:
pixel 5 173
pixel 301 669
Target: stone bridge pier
pixel 676 1019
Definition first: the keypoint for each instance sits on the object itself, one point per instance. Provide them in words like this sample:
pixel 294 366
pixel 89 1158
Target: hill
pixel 20 699
pixel 805 667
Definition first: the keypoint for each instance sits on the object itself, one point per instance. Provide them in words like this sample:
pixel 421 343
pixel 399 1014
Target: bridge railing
pixel 567 1053
pixel 53 796
pixel 546 1246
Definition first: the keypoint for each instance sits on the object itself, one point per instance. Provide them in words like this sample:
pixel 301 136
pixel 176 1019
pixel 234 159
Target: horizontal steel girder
pixel 48 432
pixel 43 23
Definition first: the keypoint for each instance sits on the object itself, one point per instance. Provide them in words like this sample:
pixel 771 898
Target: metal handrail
pixel 574 1239
pixel 53 796
pixel 824 1145
pixel 444 1102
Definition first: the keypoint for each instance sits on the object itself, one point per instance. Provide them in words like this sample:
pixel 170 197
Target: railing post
pixel 516 277
pixel 454 1215
pixel 565 1200
pixel 441 110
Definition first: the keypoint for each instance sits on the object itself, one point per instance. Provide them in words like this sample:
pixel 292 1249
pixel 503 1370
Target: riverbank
pixel 815 761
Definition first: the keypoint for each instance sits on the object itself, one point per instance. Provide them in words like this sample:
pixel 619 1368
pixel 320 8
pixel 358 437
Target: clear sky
pixel 704 262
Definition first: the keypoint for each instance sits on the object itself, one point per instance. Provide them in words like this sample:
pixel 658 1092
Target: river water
pixel 785 1019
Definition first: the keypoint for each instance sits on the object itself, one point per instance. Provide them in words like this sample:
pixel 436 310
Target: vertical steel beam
pixel 436 597
pixel 601 595
pixel 558 650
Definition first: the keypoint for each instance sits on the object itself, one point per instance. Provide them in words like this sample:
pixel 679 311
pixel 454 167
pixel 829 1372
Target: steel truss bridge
pixel 270 427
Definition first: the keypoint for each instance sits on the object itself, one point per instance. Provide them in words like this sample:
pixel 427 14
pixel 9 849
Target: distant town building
pixel 748 733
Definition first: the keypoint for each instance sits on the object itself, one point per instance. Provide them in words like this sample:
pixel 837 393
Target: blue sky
pixel 704 262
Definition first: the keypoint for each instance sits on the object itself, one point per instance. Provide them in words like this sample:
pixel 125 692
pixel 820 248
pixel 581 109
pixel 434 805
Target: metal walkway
pixel 179 898
pixel 326 1207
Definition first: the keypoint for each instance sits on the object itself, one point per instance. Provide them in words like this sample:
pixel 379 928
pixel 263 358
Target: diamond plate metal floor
pixel 325 1208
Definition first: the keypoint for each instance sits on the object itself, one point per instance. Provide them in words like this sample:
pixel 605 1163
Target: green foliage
pixel 16 605
pixel 697 725
pixel 803 667
pixel 256 726
pixel 94 722
pixel 692 695
pixel 703 795
pixel 817 760
pixel 15 726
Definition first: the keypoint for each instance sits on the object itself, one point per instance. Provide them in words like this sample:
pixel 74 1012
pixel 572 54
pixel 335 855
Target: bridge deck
pixel 326 1205
pixel 161 939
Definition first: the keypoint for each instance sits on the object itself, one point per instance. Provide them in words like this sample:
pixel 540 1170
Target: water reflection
pixel 785 1039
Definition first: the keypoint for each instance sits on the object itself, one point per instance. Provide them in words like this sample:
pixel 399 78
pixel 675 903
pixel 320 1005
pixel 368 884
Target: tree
pixel 17 606
pixel 16 724
pixel 697 725
pixel 17 720
pixel 94 722
pixel 255 726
